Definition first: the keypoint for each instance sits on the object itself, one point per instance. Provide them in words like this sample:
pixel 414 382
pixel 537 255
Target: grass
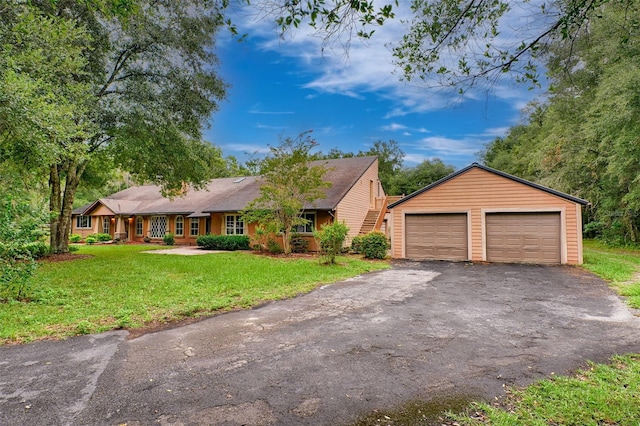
pixel 619 266
pixel 603 394
pixel 120 287
pixel 599 395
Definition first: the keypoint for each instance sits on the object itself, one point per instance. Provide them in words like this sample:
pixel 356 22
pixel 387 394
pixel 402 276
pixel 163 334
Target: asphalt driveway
pixel 418 331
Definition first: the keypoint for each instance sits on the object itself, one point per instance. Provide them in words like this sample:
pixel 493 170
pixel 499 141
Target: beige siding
pixel 353 208
pixel 479 192
pixel 102 210
pixel 84 232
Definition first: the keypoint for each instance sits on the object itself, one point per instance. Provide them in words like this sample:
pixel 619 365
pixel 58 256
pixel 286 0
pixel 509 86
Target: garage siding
pixel 436 236
pixel 479 191
pixel 524 237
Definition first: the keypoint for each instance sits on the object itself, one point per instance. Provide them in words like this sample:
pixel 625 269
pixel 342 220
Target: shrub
pixel 375 245
pixel 90 240
pixel 223 242
pixel 331 239
pixel 103 237
pixel 274 247
pixel 169 239
pixel 299 244
pixel 75 238
pixel 37 249
pixel 356 244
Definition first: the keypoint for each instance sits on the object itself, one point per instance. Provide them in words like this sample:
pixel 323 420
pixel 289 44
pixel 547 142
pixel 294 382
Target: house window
pixel 179 226
pixel 105 224
pixel 235 225
pixel 309 227
pixel 195 227
pixel 83 221
pixel 158 226
pixel 139 223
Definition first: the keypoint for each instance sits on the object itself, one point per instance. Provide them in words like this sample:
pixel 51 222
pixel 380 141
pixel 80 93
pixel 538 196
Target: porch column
pixel 120 232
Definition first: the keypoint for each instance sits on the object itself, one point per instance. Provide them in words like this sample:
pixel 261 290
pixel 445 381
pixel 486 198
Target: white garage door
pixel 523 237
pixel 436 236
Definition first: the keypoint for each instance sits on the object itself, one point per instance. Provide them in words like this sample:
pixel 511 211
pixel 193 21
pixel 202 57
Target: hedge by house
pixel 223 242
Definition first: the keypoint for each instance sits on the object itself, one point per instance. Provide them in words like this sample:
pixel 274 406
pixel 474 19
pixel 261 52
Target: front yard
pixel 121 287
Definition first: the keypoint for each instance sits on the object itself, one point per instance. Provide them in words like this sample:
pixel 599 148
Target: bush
pixel 90 240
pixel 356 244
pixel 37 249
pixel 169 239
pixel 75 238
pixel 331 239
pixel 299 244
pixel 274 247
pixel 103 237
pixel 223 242
pixel 375 245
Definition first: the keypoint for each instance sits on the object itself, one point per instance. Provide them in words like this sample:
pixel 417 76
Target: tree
pixel 288 183
pixel 461 42
pixel 584 140
pixel 390 158
pixel 130 89
pixel 409 180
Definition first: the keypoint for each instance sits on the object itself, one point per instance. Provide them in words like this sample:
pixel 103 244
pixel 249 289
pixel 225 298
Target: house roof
pixel 227 194
pixel 494 171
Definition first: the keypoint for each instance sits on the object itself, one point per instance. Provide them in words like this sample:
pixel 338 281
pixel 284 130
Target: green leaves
pixel 289 183
pixel 584 140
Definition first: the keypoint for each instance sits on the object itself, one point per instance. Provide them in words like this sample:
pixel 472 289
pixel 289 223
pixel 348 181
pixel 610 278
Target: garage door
pixel 436 236
pixel 523 237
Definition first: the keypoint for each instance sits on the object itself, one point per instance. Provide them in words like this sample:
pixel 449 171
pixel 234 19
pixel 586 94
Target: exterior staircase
pixel 370 221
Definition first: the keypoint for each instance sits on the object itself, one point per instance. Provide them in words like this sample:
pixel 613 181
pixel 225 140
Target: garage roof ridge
pixel 494 171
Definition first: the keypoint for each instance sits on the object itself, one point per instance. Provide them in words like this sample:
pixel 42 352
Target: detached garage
pixel 482 214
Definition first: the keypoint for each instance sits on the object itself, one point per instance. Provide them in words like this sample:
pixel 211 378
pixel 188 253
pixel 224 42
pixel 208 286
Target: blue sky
pixel 283 87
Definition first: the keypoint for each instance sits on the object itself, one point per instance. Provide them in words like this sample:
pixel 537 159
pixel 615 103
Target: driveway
pixel 419 331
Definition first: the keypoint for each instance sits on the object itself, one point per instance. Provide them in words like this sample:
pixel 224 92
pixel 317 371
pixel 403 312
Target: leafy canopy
pixel 126 84
pixel 289 183
pixel 584 139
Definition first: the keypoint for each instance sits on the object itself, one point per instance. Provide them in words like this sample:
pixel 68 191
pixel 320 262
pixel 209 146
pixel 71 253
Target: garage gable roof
pixel 494 171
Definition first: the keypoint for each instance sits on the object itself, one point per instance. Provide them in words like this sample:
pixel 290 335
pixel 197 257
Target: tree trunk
pixel 61 203
pixel 286 241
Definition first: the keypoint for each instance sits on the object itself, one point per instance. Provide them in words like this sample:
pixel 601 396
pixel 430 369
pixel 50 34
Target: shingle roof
pixel 228 194
pixel 497 172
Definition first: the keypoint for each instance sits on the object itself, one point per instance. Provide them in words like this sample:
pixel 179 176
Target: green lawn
pixel 621 267
pixel 600 395
pixel 121 287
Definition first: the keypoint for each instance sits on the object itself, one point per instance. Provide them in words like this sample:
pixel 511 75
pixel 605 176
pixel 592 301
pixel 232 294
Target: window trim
pixel 140 220
pixel 106 220
pixel 157 218
pixel 196 221
pixel 179 219
pixel 236 218
pixel 312 224
pixel 83 220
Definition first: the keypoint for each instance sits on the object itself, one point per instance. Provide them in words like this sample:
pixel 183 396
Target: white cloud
pixel 369 67
pixel 257 109
pixel 246 148
pixel 269 127
pixel 394 127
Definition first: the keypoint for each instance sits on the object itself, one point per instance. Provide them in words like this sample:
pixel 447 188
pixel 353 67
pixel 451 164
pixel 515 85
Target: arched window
pixel 179 226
